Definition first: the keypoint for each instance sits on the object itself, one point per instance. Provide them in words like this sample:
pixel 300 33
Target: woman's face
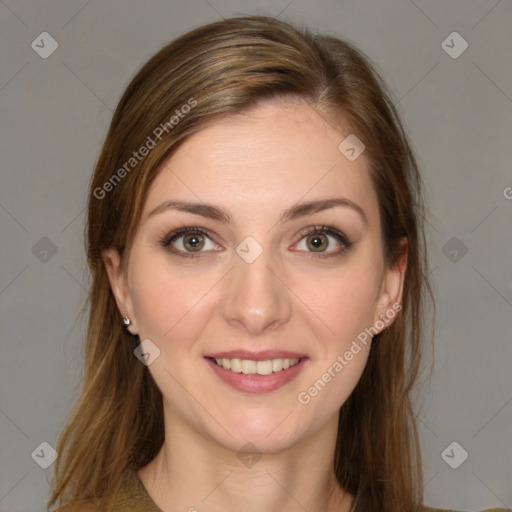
pixel 254 284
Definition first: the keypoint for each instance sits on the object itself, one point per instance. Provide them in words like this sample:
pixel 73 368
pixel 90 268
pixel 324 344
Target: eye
pixel 187 241
pixel 316 241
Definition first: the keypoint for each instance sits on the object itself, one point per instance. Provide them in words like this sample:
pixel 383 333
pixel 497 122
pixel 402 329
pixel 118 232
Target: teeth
pixel 236 365
pixel 250 367
pixel 277 365
pixel 264 367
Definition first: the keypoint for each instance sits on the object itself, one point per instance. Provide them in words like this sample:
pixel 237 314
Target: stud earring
pixel 126 321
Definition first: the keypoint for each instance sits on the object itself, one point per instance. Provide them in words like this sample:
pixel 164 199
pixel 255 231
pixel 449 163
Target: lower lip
pixel 257 383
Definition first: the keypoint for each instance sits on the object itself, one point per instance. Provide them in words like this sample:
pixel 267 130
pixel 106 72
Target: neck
pixel 192 472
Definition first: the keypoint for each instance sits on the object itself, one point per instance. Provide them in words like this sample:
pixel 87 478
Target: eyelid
pixel 329 230
pixel 340 237
pixel 177 233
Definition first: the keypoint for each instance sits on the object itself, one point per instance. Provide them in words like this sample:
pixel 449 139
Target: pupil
pixel 194 241
pixel 316 241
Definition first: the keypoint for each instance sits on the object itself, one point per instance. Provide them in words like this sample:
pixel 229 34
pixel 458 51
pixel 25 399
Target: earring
pixel 126 321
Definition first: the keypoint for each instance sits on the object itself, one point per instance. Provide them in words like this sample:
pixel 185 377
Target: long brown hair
pixel 217 70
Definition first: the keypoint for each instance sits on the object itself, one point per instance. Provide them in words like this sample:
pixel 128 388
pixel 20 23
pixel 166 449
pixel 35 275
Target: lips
pixel 260 355
pixel 243 378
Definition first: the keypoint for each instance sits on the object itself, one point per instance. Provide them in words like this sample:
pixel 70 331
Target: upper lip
pixel 261 355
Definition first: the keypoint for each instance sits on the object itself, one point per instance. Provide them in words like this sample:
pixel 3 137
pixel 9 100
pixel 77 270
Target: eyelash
pixel 167 240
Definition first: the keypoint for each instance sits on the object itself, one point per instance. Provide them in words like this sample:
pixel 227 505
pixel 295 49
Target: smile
pixel 256 376
pixel 251 367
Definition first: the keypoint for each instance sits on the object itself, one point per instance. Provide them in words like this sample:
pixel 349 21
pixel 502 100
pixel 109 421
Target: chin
pixel 266 430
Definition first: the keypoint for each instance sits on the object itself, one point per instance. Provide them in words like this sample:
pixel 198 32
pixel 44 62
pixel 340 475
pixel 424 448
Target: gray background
pixel 55 113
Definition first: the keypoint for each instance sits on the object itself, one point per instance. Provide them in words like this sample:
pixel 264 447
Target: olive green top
pixel 133 497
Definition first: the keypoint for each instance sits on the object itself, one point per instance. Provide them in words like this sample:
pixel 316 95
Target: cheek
pixel 168 303
pixel 344 301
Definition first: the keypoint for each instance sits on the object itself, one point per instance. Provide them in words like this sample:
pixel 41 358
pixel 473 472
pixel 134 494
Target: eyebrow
pixel 220 214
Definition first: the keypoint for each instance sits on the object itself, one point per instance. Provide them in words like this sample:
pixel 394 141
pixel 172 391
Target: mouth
pixel 252 367
pixel 256 373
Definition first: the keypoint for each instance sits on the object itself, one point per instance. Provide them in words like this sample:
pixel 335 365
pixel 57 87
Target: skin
pixel 255 165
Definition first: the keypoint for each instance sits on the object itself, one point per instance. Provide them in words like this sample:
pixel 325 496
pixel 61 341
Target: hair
pixel 222 69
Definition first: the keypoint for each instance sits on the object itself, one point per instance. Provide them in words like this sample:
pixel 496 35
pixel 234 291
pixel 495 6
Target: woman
pixel 255 237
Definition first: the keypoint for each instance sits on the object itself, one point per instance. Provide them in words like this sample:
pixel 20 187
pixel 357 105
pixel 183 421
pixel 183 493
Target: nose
pixel 257 298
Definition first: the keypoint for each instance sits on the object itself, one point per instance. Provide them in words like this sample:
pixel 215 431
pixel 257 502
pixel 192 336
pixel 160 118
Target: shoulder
pixel 78 506
pixel 86 506
pixel 430 509
pixel 131 495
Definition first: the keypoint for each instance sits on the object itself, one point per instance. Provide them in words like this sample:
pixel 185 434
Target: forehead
pixel 275 154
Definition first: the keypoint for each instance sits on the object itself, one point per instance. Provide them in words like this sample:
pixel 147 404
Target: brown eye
pixel 194 242
pixel 318 242
pixel 188 242
pixel 323 242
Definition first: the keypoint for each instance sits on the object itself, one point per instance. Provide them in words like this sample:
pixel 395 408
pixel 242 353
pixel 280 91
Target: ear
pixel 113 265
pixel 390 298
